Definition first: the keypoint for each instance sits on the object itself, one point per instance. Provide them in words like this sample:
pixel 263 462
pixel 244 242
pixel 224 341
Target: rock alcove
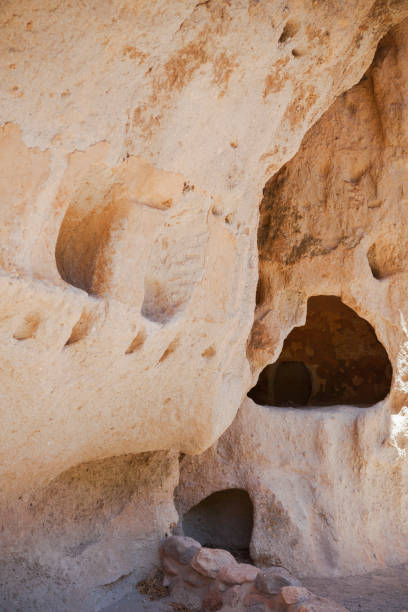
pixel 334 359
pixel 224 519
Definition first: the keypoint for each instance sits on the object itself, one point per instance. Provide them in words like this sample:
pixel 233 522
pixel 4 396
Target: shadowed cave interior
pixel 334 359
pixel 224 519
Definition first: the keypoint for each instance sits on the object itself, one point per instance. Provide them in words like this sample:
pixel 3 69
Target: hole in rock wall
pixel 385 258
pixel 82 249
pixel 27 328
pixel 81 328
pixel 289 31
pixel 373 263
pixel 222 520
pixel 136 343
pixel 335 358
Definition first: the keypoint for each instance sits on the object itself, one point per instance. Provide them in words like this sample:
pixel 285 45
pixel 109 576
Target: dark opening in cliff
pixel 222 520
pixel 335 358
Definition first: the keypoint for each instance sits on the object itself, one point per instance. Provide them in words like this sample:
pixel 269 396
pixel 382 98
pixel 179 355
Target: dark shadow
pixel 335 358
pixel 222 520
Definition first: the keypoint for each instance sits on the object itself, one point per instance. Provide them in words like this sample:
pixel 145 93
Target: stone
pixel 237 573
pixel 180 548
pixel 169 566
pixel 194 579
pixel 293 594
pixel 213 600
pixel 185 597
pixel 208 561
pixel 257 607
pixel 271 580
pixel 233 596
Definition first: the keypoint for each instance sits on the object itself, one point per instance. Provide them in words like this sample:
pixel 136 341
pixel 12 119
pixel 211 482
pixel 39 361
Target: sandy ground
pixel 382 591
pixel 137 602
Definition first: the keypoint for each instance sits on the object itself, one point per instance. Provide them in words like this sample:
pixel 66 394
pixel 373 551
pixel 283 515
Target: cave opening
pixel 334 359
pixel 224 519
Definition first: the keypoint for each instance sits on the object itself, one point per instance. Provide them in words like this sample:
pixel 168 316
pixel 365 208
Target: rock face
pixel 333 223
pixel 135 141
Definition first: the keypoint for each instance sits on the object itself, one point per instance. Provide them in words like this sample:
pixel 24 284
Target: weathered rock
pixel 207 561
pixel 170 567
pixel 194 579
pixel 135 142
pixel 213 601
pixel 233 597
pixel 320 216
pixel 237 573
pixel 180 548
pixel 185 597
pixel 257 607
pixel 294 594
pixel 272 580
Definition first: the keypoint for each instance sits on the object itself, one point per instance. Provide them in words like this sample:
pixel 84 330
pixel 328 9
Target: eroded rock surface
pixel 327 483
pixel 135 141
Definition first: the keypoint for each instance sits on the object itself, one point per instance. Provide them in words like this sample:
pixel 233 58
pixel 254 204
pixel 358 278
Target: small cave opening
pixel 334 359
pixel 224 519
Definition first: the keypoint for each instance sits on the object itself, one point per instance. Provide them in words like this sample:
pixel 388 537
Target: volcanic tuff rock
pixel 135 141
pixel 215 581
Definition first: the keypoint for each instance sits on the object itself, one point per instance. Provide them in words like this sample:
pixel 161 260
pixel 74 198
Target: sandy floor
pixel 384 591
pixel 140 603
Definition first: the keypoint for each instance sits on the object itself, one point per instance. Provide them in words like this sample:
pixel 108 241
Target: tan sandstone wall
pixel 135 141
pixel 329 485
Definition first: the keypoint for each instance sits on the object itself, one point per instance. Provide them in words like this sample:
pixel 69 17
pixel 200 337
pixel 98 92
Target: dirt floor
pixel 382 591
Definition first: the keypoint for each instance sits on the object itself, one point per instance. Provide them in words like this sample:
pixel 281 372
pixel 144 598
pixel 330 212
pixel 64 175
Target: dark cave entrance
pixel 335 358
pixel 222 520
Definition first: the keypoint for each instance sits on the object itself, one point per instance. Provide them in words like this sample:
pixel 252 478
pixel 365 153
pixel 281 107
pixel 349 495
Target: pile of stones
pixel 207 579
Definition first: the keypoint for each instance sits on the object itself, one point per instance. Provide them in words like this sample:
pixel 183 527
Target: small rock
pixel 257 607
pixel 212 601
pixel 193 578
pixel 180 548
pixel 237 573
pixel 208 561
pixel 170 566
pixel 184 597
pixel 233 596
pixel 271 580
pixel 294 594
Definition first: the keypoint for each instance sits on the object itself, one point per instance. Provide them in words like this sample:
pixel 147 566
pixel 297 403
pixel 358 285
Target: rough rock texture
pixel 94 524
pixel 135 141
pixel 328 483
pixel 215 581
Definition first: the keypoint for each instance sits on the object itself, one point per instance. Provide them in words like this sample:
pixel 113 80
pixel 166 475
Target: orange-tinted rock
pixel 294 594
pixel 237 573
